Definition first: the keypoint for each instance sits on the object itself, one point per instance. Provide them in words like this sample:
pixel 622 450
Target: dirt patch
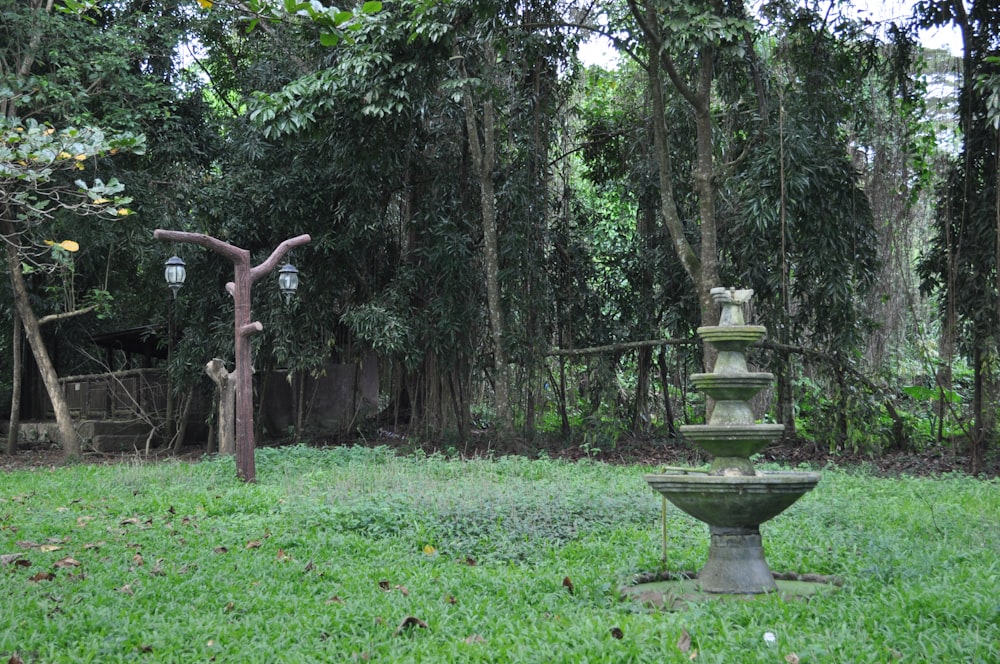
pixel 931 462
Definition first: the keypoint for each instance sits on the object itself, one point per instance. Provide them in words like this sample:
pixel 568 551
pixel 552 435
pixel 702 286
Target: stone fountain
pixel 732 497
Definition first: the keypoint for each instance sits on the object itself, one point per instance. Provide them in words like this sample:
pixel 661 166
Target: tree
pixel 37 165
pixel 963 262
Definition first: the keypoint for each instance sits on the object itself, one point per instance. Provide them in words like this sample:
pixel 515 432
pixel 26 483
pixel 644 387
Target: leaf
pixel 429 550
pixel 220 549
pixel 371 7
pixel 15 659
pixel 568 584
pixel 792 658
pixel 8 558
pixel 336 599
pixel 48 548
pixel 616 632
pixel 282 555
pixel 384 585
pixel 126 590
pixel 42 576
pixel 205 4
pixel 684 643
pixel 329 39
pixel 254 544
pixel 67 562
pixel 474 638
pixel 409 622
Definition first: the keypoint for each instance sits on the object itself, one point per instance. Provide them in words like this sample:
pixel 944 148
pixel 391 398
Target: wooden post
pixel 239 288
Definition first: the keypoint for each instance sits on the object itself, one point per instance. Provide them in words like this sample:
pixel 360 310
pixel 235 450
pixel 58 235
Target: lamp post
pixel 239 288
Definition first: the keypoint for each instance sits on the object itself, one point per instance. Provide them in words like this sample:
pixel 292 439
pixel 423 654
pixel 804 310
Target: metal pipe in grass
pixel 663 517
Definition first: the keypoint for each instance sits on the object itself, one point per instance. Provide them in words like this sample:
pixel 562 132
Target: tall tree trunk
pixel 66 432
pixel 703 266
pixel 17 368
pixel 484 160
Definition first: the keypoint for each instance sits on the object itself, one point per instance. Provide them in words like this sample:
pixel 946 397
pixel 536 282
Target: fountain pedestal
pixel 733 498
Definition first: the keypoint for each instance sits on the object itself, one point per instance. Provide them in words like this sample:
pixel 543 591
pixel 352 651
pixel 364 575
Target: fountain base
pixel 736 564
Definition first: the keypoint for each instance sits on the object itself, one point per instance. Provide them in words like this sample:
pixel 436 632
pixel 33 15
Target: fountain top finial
pixel 731 300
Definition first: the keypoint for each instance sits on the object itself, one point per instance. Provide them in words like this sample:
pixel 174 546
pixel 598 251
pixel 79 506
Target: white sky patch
pixel 598 50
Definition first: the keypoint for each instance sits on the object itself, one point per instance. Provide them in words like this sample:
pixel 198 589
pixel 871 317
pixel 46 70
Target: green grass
pixel 332 550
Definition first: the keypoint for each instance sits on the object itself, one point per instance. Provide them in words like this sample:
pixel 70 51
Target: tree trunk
pixel 226 382
pixel 66 432
pixel 484 160
pixel 17 368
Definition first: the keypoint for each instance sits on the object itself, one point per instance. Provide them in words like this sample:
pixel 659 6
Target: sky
pixel 599 51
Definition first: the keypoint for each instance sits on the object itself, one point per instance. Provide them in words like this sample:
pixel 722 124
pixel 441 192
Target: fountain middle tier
pixel 732 386
pixel 729 440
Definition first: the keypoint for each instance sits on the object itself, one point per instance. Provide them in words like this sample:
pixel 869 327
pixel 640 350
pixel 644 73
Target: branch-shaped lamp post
pixel 239 288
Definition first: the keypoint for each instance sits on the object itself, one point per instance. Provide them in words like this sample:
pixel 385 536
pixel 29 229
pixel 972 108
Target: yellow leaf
pixel 50 242
pixel 79 166
pixel 102 201
pixel 205 4
pixel 80 157
pixel 49 131
pixel 429 550
pixel 69 245
pixel 64 155
pixel 124 212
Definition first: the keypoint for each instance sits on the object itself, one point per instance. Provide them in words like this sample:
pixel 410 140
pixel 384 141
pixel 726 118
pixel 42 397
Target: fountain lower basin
pixel 734 508
pixel 734 502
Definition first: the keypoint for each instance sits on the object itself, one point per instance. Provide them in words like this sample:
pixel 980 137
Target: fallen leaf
pixel 408 622
pixel 568 585
pixel 93 545
pixel 131 521
pixel 617 633
pixel 684 643
pixel 145 648
pixel 126 590
pixel 67 562
pixel 336 599
pixel 229 607
pixel 220 549
pixel 470 561
pixel 429 550
pixel 309 567
pixel 8 558
pixel 694 655
pixel 384 585
pixel 15 659
pixel 792 658
pixel 451 599
pixel 42 576
pixel 157 568
pixel 48 548
pixel 474 638
pixel 402 589
pixel 82 521
pixel 137 560
pixel 254 544
pixel 26 544
pixel 22 563
pixel 282 555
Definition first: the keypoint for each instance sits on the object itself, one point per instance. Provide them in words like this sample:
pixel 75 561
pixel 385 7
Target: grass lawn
pixel 354 554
